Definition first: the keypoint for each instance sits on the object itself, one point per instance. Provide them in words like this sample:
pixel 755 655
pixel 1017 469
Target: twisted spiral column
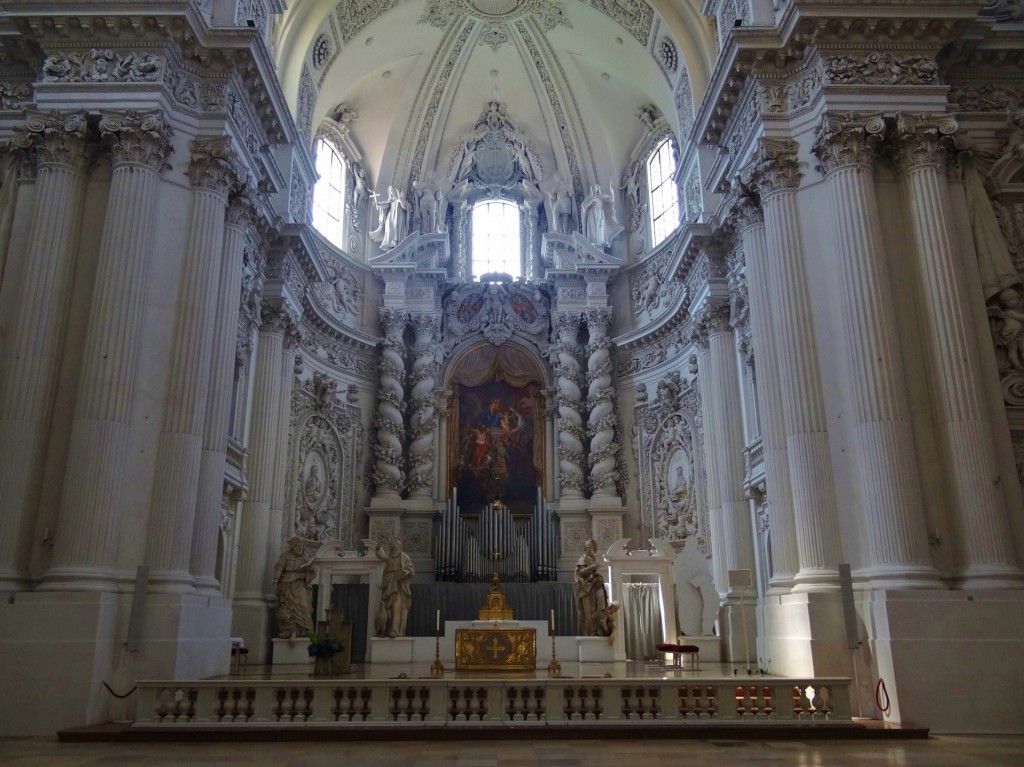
pixel 978 507
pixel 422 400
pixel 59 144
pixel 569 399
pixel 601 400
pixel 93 491
pixel 387 474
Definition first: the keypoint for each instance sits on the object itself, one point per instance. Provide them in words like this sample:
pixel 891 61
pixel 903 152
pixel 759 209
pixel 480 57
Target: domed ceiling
pixel 408 80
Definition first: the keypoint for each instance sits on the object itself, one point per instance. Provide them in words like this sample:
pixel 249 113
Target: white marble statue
pixel 559 207
pixel 597 217
pixel 293 584
pixel 394 220
pixel 395 590
pixel 696 596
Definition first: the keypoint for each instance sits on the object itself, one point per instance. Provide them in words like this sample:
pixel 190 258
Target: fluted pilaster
pixel 810 467
pixel 723 376
pixel 59 144
pixel 701 365
pixel 218 413
pixel 569 398
pixel 94 480
pixel 179 448
pixel 264 443
pixel 601 422
pixel 387 474
pixel 781 525
pixel 889 480
pixel 422 400
pixel 985 555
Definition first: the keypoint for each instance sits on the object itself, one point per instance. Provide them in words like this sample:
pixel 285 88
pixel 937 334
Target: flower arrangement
pixel 323 646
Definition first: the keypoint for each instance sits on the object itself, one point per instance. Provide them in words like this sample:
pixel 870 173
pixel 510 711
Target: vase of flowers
pixel 322 649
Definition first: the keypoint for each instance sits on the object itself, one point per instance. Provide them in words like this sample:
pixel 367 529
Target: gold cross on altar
pixel 495 648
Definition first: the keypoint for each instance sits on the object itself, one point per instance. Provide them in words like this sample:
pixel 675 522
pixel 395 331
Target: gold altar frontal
pixel 496 649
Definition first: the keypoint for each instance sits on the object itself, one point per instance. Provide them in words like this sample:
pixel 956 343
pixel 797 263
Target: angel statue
pixel 1008 317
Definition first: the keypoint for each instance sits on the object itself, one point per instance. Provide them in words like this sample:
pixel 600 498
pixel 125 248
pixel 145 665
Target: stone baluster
pixel 569 397
pixel 889 479
pixel 213 173
pixel 58 143
pixel 803 404
pixel 264 442
pixel 422 397
pixel 781 525
pixel 388 476
pixel 985 552
pixel 218 413
pixel 723 375
pixel 601 400
pixel 93 493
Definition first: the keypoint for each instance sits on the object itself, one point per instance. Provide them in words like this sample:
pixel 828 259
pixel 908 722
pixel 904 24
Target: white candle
pixel 437 626
pixel 552 620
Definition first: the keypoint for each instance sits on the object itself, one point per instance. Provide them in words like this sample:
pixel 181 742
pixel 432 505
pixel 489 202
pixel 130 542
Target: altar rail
pixel 452 703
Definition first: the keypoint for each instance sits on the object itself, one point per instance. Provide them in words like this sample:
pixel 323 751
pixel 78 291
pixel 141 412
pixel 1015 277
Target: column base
pixel 56 650
pixel 78 579
pixel 949 660
pixel 816 579
pixel 250 619
pixel 185 636
pixel 900 578
pixel 990 578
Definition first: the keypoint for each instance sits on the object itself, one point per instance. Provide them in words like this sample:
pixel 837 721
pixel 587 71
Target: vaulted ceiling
pixel 415 75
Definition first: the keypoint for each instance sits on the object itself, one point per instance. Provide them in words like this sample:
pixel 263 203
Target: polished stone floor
pixel 941 751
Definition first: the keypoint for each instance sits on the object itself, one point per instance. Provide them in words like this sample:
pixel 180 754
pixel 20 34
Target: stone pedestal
pixel 397 650
pixel 595 650
pixel 291 652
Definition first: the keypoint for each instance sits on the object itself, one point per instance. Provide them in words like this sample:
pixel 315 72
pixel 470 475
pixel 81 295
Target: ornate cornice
pixel 847 140
pixel 137 138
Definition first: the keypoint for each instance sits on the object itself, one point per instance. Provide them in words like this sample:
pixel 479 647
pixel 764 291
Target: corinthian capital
pixel 598 320
pixel 747 212
pixel 776 166
pixel 56 138
pixel 393 322
pixel 923 141
pixel 842 141
pixel 136 138
pixel 214 165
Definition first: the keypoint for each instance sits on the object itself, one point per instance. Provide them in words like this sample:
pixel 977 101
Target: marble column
pixel 978 510
pixel 604 450
pixel 781 525
pixel 889 480
pixel 708 404
pixel 422 399
pixel 251 606
pixel 94 481
pixel 723 375
pixel 291 366
pixel 59 144
pixel 213 173
pixel 803 402
pixel 570 423
pixel 388 477
pixel 218 412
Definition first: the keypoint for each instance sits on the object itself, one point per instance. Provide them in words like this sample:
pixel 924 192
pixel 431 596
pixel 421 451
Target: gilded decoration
pixel 495 649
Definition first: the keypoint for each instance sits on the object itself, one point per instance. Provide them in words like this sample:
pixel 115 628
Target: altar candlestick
pixel 552 620
pixel 437 626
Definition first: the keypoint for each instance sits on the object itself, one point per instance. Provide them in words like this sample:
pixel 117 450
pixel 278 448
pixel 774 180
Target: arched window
pixel 329 193
pixel 496 244
pixel 664 194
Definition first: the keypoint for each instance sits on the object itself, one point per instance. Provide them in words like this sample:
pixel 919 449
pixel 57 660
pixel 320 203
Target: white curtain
pixel 641 620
